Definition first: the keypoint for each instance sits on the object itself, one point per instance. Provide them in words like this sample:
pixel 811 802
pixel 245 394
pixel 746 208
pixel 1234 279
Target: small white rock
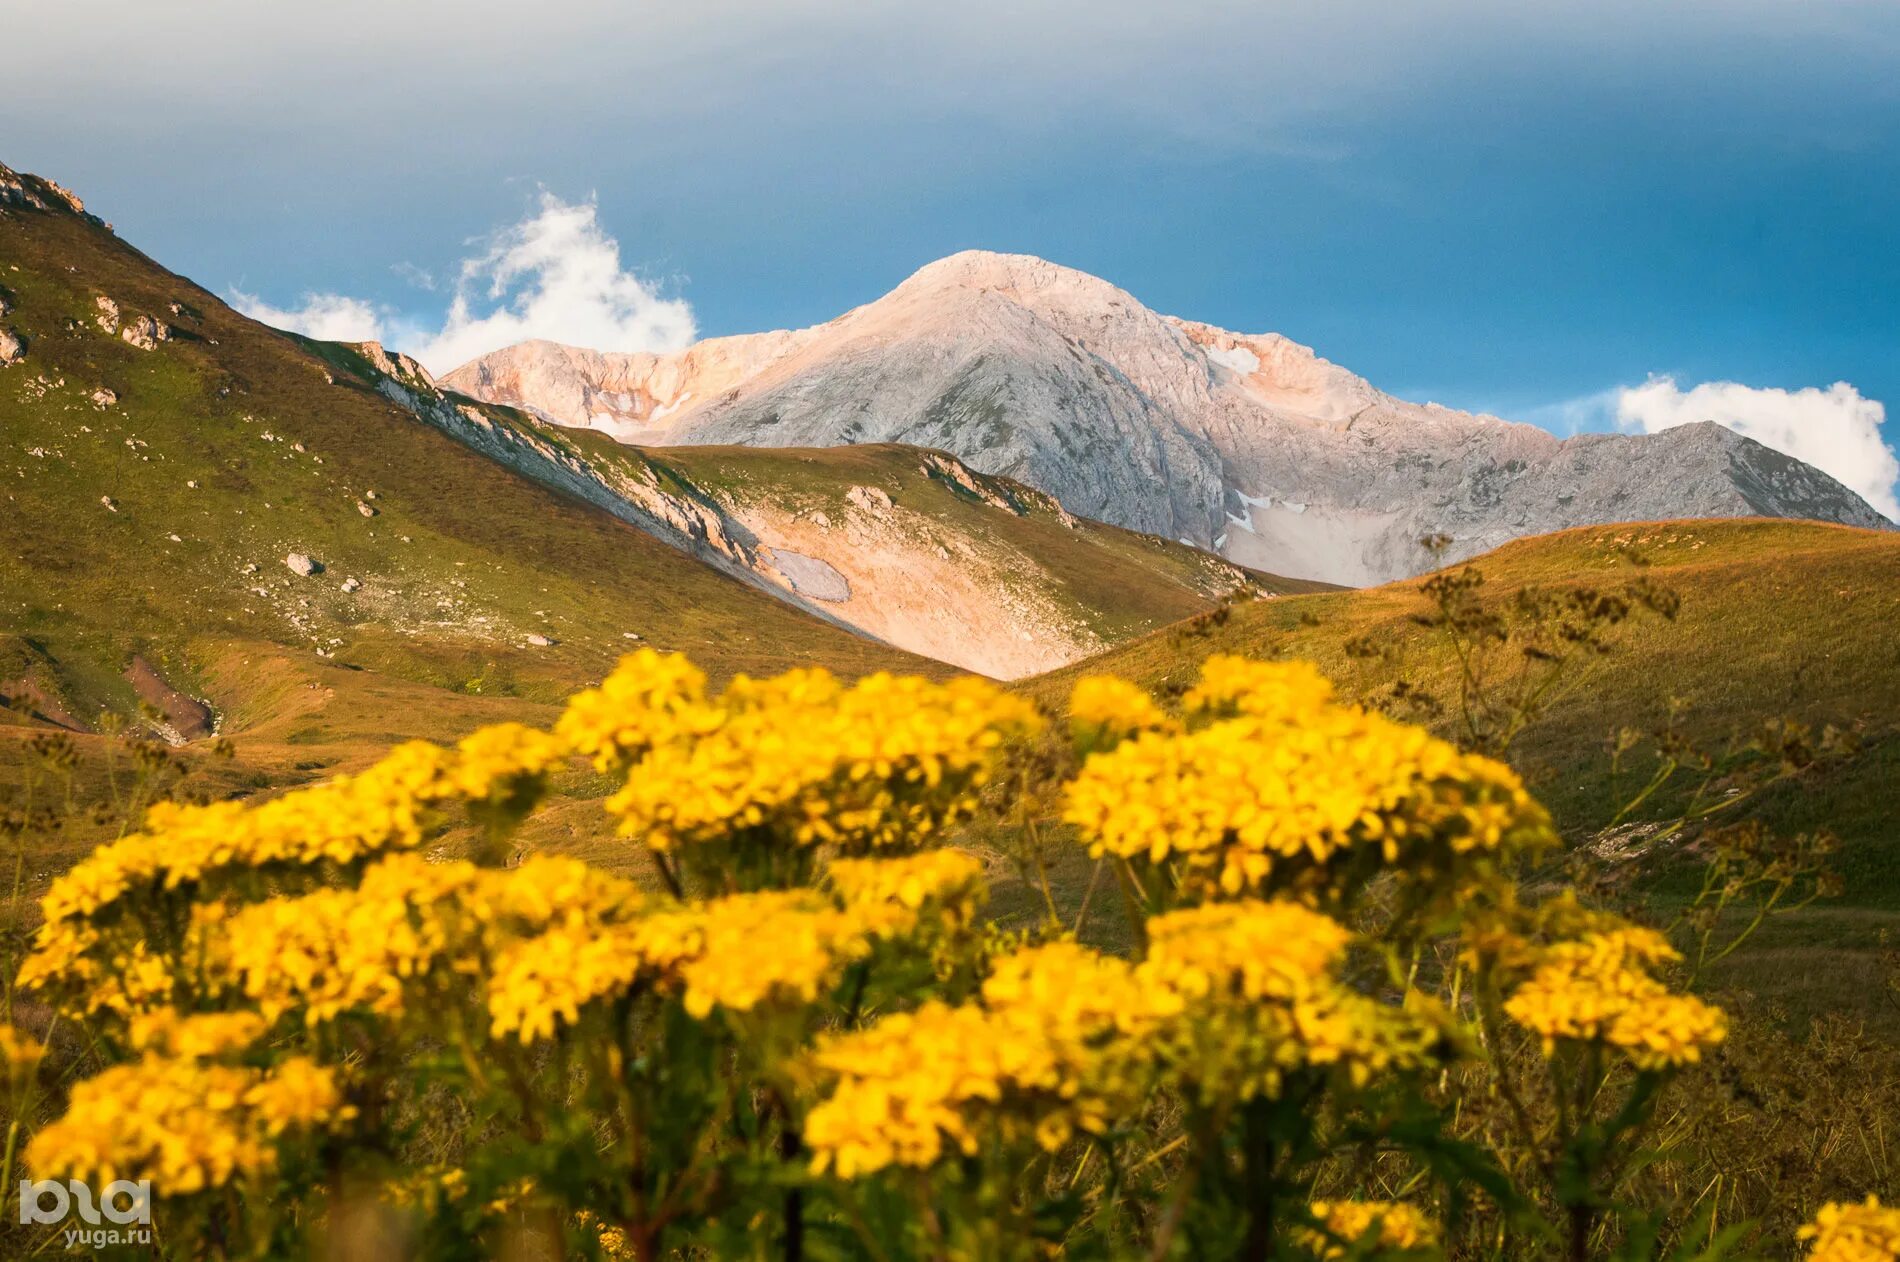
pixel 303 564
pixel 350 585
pixel 540 641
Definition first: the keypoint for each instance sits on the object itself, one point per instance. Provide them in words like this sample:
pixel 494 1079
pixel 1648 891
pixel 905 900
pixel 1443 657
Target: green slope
pixel 246 446
pixel 1777 618
pixel 915 548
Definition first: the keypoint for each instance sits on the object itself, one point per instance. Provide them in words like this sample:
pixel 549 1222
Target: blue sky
pixel 1527 208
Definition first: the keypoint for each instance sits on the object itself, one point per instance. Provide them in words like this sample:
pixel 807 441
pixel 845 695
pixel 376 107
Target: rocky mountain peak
pixel 1024 278
pixel 1250 445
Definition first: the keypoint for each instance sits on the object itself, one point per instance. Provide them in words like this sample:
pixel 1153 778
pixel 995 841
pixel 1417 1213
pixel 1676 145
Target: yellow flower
pixel 1296 794
pixel 340 949
pixel 1845 1232
pixel 184 1123
pixel 20 1052
pixel 650 698
pixel 200 1036
pixel 887 762
pixel 1599 987
pixel 887 896
pixel 1239 685
pixel 1391 1224
pixel 1111 707
pixel 1261 998
pixel 1051 1050
pixel 495 760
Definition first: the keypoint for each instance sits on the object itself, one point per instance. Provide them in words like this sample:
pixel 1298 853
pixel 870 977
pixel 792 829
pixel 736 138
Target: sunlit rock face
pixel 1247 445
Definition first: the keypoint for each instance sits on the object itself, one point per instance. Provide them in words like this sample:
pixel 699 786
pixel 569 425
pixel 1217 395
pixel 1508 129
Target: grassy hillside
pixel 1777 618
pixel 907 546
pixel 1118 582
pixel 156 521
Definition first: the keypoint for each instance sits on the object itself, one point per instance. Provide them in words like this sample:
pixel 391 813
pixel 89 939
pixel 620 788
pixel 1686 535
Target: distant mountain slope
pixel 166 462
pixel 1248 445
pixel 162 457
pixel 908 546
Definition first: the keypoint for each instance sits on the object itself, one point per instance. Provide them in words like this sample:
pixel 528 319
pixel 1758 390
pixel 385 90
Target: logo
pixel 127 1206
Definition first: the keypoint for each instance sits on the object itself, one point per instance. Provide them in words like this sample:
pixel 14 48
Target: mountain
pixel 908 546
pixel 1248 445
pixel 165 461
pixel 189 494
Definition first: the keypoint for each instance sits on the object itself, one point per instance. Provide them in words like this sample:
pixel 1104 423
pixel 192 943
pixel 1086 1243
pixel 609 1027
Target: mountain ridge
pixel 1250 445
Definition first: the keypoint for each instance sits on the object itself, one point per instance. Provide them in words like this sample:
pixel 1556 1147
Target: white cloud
pixel 1836 430
pixel 555 275
pixel 332 317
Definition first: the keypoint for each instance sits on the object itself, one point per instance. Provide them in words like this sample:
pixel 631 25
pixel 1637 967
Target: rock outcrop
pixel 1247 445
pixel 146 333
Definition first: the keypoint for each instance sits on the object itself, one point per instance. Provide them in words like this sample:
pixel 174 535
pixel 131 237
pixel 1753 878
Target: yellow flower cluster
pixel 1295 791
pixel 202 1036
pixel 184 1123
pixel 1845 1232
pixel 886 894
pixel 340 821
pixel 1040 1056
pixel 92 972
pixel 1229 999
pixel 1388 1224
pixel 1262 999
pixel 339 950
pixel 1231 685
pixel 497 760
pixel 20 1053
pixel 362 949
pixel 650 699
pixel 1600 987
pixel 1108 706
pixel 888 761
pixel 735 953
pixel 388 808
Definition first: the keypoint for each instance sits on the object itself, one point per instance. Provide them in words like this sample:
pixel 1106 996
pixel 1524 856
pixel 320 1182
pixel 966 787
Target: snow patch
pixel 810 576
pixel 1235 359
pixel 1244 521
pixel 674 406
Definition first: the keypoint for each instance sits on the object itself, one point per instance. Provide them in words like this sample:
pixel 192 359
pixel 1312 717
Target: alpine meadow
pixel 499 761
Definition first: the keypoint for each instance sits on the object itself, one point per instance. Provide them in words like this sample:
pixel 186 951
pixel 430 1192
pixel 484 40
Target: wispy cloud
pixel 556 275
pixel 332 317
pixel 1837 429
pixel 1574 416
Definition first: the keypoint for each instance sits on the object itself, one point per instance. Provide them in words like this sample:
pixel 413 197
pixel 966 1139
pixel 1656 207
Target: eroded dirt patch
pixel 187 717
